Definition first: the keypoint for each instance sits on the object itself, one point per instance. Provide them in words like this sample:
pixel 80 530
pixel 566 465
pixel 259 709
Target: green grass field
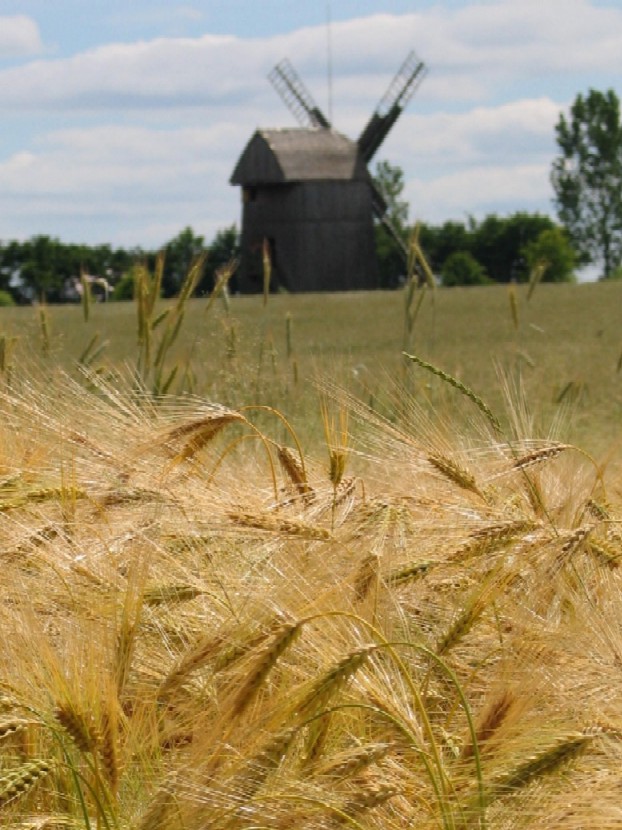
pixel 566 348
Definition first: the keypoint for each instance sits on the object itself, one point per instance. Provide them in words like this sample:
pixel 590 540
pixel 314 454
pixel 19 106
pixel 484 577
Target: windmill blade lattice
pixel 296 96
pixel 400 91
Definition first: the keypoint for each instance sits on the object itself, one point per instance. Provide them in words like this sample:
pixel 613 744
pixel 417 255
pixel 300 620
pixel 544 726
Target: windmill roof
pixel 298 154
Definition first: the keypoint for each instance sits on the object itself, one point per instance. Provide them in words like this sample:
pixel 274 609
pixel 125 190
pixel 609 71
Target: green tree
pixel 439 242
pixel 42 270
pixel 553 247
pixel 587 177
pixel 223 248
pixel 498 243
pixel 389 181
pixel 461 268
pixel 181 252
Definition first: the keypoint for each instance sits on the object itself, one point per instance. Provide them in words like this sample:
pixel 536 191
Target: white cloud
pixel 19 37
pixel 480 190
pixel 153 128
pixel 471 51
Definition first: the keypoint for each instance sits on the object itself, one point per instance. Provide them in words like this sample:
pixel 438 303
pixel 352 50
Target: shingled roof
pixel 295 155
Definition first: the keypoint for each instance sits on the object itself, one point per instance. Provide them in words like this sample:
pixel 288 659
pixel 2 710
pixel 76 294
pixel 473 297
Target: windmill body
pixel 308 194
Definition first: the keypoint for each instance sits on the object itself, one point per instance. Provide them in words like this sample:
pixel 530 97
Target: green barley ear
pixel 535 277
pixel 418 257
pixel 513 305
pixel 267 270
pixel 44 326
pixel 288 335
pixel 6 347
pixel 464 390
pixel 86 296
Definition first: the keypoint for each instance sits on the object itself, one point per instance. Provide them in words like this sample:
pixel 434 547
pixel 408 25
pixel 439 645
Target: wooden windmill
pixel 307 192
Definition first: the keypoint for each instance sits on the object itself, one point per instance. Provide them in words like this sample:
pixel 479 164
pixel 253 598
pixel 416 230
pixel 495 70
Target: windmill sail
pixel 296 96
pixel 395 99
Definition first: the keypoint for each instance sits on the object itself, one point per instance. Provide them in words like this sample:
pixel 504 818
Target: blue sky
pixel 123 119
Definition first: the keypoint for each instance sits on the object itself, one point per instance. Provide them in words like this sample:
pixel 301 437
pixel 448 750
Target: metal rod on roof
pixel 329 62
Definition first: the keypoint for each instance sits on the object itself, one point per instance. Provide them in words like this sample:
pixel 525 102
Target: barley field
pixel 263 570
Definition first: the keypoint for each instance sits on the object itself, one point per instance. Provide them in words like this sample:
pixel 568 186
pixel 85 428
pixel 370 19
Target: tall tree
pixel 181 252
pixel 223 248
pixel 389 179
pixel 587 177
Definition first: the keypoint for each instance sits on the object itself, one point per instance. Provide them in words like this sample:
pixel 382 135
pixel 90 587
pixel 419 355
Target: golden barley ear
pixel 490 721
pixel 295 471
pixel 279 526
pixel 109 740
pixel 20 781
pixel 79 726
pixel 366 577
pixel 266 661
pixel 186 440
pixel 456 473
pixel 539 456
pixel 545 761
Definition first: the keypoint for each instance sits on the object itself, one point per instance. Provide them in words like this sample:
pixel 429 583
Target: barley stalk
pixel 574 540
pixel 492 537
pixel 86 295
pixel 259 766
pixel 420 257
pixel 368 797
pixel 345 489
pixel 513 305
pixel 45 329
pixel 537 272
pixel 163 594
pixel 109 743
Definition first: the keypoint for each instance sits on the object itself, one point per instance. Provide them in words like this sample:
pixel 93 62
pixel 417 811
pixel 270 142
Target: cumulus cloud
pixel 153 128
pixel 480 190
pixel 471 51
pixel 19 37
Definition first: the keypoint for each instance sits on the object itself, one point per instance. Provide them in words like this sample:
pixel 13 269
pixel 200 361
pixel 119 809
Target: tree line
pixel 587 181
pixel 44 268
